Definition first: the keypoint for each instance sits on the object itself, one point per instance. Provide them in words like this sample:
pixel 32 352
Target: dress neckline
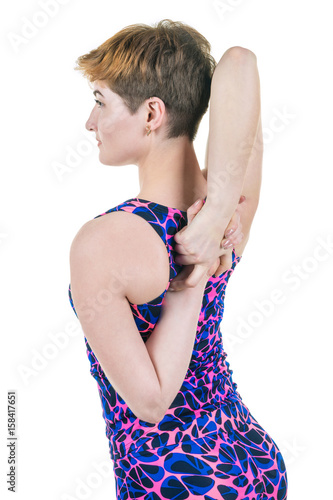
pixel 162 208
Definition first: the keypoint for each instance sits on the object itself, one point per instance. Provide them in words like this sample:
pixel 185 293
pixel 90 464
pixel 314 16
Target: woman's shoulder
pixel 125 245
pixel 116 227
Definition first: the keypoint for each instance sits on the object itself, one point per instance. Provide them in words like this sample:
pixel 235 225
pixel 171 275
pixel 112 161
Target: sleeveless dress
pixel 208 445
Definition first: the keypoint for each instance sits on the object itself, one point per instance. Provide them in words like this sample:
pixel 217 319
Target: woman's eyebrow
pixel 97 92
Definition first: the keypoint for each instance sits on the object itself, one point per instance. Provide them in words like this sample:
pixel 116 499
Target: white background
pixel 280 353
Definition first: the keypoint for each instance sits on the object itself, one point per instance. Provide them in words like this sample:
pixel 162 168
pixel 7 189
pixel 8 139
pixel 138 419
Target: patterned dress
pixel 208 445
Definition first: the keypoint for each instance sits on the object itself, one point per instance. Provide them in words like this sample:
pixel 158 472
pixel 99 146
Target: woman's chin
pixel 104 160
pixel 111 162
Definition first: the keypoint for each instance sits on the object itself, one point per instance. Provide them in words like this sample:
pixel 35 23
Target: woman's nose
pixel 90 123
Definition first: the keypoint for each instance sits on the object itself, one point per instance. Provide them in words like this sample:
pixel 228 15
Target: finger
pixel 224 251
pixel 177 283
pixel 213 267
pixel 233 238
pixel 177 236
pixel 180 249
pixel 239 239
pixel 236 232
pixel 232 241
pixel 191 213
pixel 185 260
pixel 193 210
pixel 191 280
pixel 225 264
pixel 233 224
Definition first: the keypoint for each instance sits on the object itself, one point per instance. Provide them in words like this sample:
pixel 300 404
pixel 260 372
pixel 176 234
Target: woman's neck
pixel 170 175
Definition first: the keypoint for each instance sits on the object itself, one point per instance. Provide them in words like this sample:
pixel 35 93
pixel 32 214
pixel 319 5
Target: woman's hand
pixel 203 250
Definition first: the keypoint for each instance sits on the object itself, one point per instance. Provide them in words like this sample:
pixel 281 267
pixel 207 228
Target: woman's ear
pixel 156 109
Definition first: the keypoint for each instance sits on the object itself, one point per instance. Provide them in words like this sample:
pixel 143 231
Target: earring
pixel 148 130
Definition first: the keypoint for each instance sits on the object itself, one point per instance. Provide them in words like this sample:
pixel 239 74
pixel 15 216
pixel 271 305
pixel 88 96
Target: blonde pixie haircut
pixel 170 60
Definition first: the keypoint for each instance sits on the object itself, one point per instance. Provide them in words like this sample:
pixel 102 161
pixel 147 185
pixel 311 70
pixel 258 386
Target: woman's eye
pixel 99 103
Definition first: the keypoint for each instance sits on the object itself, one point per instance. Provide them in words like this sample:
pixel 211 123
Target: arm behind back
pixel 109 325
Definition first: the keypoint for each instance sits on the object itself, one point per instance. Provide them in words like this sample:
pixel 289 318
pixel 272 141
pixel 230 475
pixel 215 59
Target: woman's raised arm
pixel 234 121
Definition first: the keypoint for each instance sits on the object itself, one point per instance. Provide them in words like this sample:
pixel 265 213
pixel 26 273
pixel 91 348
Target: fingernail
pixel 227 244
pixel 229 233
pixel 197 203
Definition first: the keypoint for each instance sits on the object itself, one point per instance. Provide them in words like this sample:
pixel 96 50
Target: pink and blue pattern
pixel 208 445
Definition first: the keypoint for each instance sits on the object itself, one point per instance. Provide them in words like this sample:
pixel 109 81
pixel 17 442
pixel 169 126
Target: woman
pixel 177 427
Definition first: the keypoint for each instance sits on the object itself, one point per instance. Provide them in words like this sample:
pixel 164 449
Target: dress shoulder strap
pixel 160 217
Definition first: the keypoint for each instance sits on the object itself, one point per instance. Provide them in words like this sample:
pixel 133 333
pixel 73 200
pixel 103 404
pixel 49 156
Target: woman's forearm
pixel 233 122
pixel 170 345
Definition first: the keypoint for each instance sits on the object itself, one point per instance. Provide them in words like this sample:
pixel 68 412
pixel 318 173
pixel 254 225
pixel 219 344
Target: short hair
pixel 170 60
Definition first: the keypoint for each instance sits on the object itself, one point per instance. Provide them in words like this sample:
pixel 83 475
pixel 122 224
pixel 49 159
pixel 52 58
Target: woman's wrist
pixel 190 292
pixel 216 212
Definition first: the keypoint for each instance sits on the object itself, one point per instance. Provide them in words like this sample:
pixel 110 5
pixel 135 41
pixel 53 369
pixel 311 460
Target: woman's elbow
pixel 238 51
pixel 235 55
pixel 152 415
pixel 151 410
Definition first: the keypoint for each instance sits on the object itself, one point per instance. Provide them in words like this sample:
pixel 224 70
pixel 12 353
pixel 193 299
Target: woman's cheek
pixel 106 126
